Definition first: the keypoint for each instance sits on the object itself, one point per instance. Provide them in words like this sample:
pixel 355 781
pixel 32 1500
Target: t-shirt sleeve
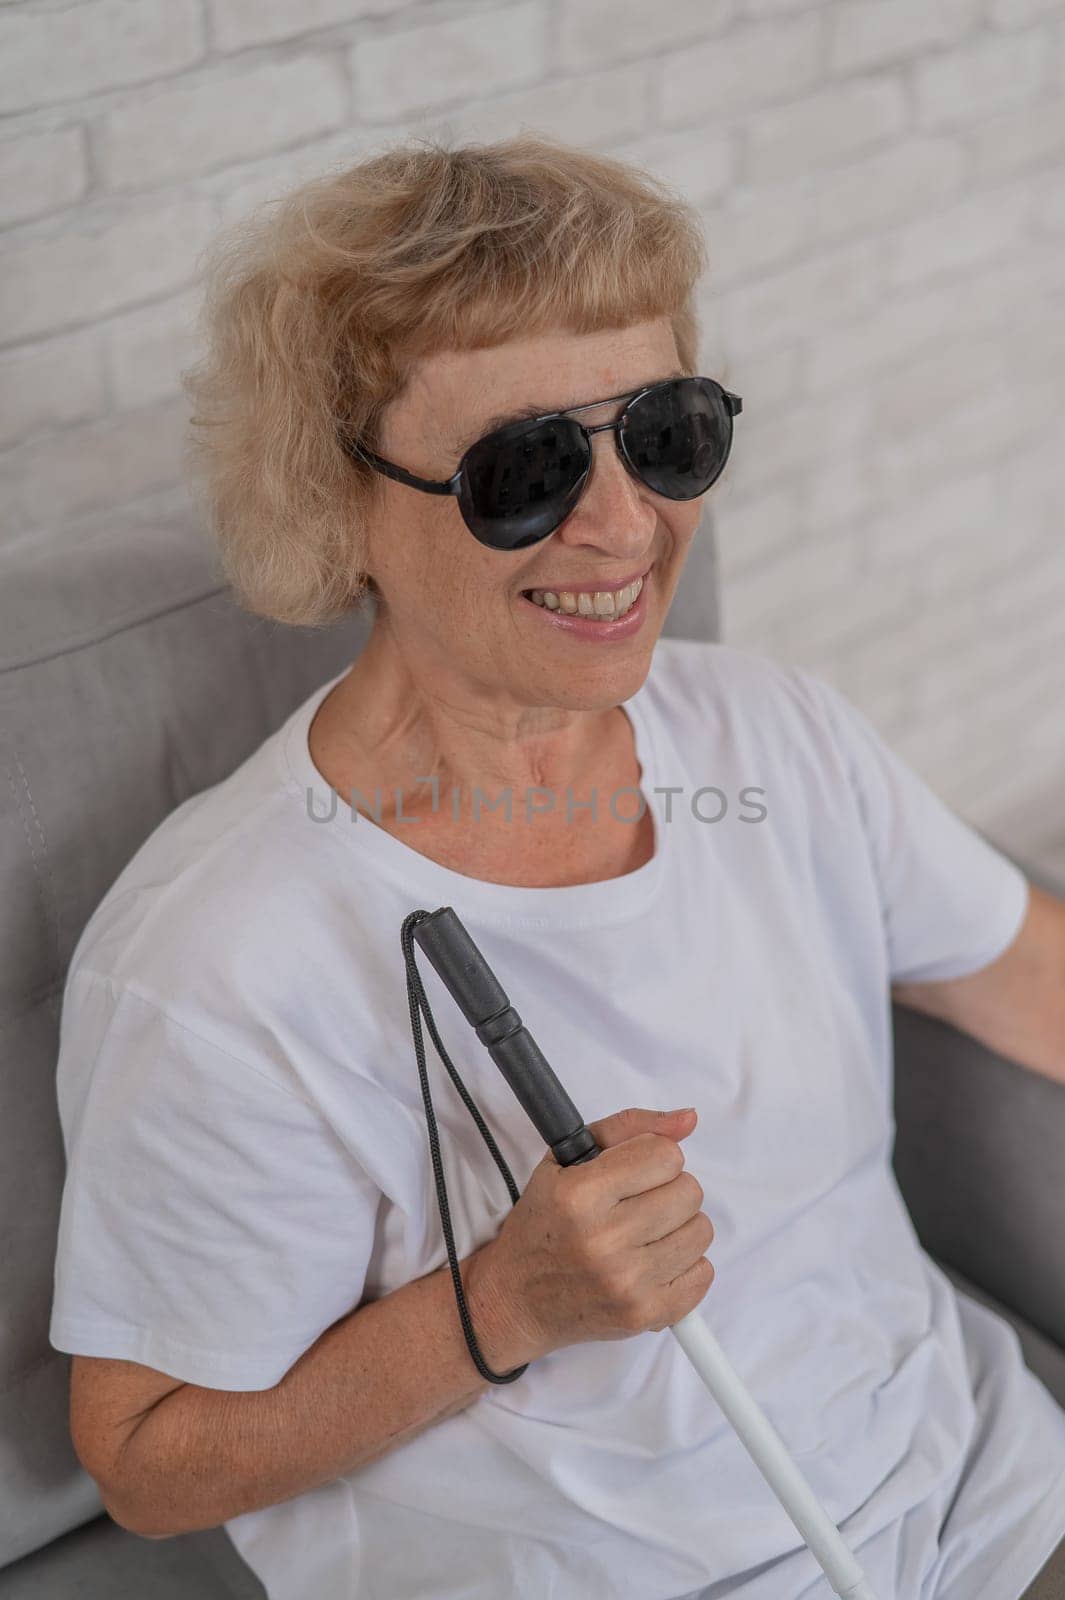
pixel 951 902
pixel 212 1224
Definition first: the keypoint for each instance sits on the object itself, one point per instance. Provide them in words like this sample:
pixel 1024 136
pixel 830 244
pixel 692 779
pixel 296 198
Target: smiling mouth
pixel 604 605
pixel 598 605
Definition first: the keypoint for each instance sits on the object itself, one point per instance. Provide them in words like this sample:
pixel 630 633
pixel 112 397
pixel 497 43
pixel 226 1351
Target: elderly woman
pixel 460 388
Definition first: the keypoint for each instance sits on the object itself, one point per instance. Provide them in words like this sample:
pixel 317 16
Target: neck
pixel 406 725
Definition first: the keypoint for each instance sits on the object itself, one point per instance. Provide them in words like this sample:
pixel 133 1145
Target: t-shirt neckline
pixel 569 905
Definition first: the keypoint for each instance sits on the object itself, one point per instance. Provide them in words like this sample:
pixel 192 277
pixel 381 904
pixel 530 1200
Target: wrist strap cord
pixel 418 1001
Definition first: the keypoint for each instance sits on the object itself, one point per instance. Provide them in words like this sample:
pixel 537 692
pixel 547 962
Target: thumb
pixel 634 1120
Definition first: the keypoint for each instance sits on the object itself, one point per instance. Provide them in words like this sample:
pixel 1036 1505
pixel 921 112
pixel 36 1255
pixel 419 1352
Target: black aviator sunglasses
pixel 516 485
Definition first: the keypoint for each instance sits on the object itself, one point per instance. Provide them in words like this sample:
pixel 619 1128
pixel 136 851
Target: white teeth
pixel 609 604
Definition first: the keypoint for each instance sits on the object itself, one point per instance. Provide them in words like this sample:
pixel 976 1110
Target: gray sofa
pixel 128 681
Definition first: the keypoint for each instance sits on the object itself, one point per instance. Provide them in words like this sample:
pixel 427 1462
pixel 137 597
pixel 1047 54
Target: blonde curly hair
pixel 317 307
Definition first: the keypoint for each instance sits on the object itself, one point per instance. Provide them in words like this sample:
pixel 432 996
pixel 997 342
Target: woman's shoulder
pixel 755 714
pixel 209 893
pixel 698 677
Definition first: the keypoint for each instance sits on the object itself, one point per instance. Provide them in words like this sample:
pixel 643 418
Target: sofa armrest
pixel 980 1159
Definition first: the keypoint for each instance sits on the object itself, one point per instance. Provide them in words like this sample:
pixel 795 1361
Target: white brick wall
pixel 882 184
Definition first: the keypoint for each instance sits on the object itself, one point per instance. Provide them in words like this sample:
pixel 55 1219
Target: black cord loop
pixel 418 1000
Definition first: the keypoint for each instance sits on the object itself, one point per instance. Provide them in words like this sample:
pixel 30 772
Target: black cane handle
pixel 483 1002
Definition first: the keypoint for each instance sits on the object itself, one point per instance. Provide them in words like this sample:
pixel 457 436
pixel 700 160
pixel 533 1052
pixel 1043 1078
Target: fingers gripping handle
pixel 484 1003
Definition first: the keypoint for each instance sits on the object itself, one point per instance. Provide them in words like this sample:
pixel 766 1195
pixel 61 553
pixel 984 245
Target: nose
pixel 615 513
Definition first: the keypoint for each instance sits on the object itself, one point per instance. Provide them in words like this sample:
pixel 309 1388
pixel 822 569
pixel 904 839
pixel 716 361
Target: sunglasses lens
pixel 521 483
pixel 677 437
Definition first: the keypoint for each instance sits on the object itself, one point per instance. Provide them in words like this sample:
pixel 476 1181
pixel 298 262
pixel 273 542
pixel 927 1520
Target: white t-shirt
pixel 249 1160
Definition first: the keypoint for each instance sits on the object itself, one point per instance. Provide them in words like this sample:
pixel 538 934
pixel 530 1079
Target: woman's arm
pixel 196 1457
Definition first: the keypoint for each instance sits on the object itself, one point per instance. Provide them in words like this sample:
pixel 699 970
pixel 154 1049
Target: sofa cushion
pixel 978 1158
pixel 101 1561
pixel 129 680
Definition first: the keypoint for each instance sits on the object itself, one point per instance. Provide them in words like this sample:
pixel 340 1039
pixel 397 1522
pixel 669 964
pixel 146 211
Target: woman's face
pixel 455 608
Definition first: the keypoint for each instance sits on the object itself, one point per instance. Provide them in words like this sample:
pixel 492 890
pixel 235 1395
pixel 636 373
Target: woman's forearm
pixel 374 1380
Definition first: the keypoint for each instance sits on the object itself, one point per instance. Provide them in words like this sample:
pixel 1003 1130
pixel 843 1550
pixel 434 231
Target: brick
pixel 54 55
pixel 1034 349
pixel 987 426
pixel 701 169
pixel 242 24
pixel 85 469
pixel 766 381
pixel 1048 853
pixel 992 663
pixel 823 129
pixel 591 32
pixel 836 490
pixel 1012 291
pixel 1003 293
pixel 147 350
pixel 879 32
pixel 765 387
pixel 1041 733
pixel 1050 203
pixel 771 8
pixel 49 384
pixel 984 76
pixel 857 674
pixel 785 444
pixel 752 65
pixel 888 704
pixel 939 519
pixel 957 680
pixel 1001 700
pixel 611 106
pixel 41 172
pixel 239 190
pixel 888 335
pixel 417 68
pixel 750 533
pixel 1014 140
pixel 52 283
pixel 976 230
pixel 1030 481
pixel 980 560
pixel 754 230
pixel 1019 13
pixel 1019 804
pixel 1026 724
pixel 962 774
pixel 931 748
pixel 942 378
pixel 903 181
pixel 228 117
pixel 906 650
pixel 802 301
pixel 837 616
pixel 796 580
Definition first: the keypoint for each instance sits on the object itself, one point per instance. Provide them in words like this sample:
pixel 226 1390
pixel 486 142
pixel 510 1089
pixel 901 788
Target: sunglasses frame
pixel 515 430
